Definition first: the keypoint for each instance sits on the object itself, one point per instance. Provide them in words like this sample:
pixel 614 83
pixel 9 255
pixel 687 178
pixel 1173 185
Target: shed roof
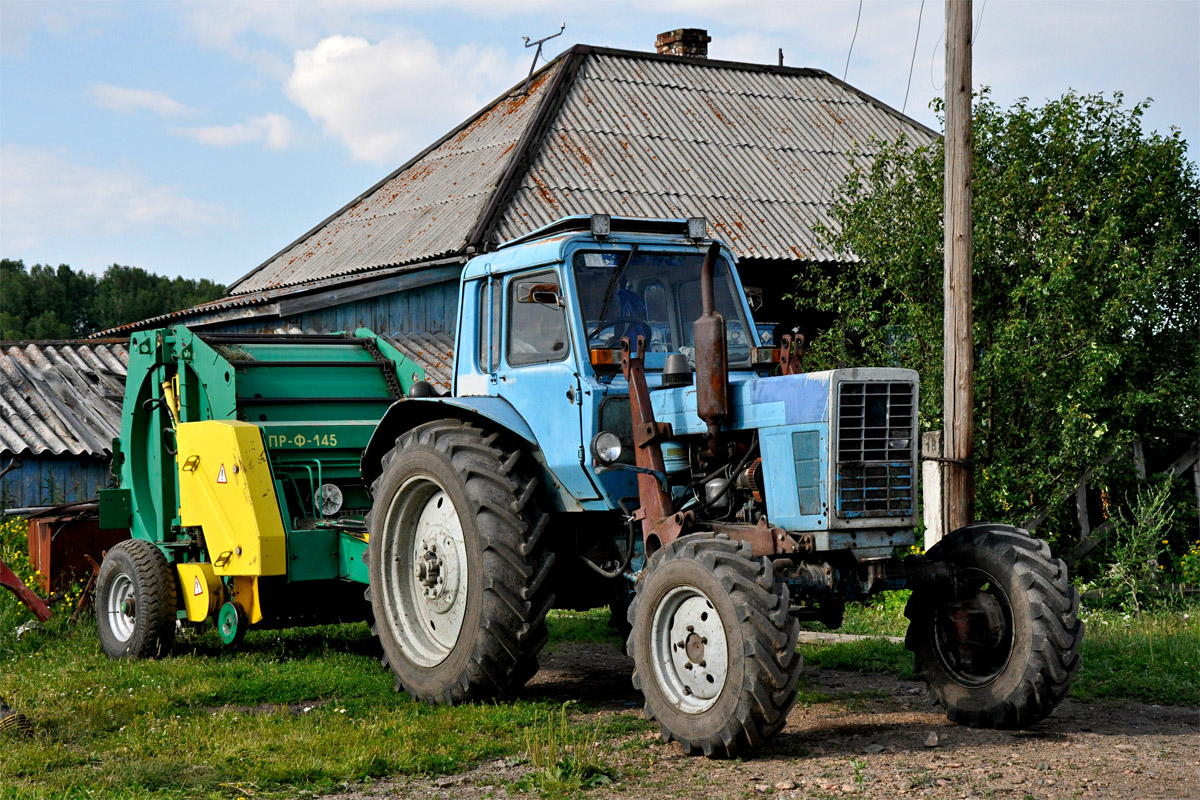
pixel 756 149
pixel 61 397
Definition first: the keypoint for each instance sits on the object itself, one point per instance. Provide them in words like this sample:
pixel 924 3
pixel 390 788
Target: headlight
pixel 606 448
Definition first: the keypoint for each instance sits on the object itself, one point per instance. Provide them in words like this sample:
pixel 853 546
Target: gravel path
pixel 875 736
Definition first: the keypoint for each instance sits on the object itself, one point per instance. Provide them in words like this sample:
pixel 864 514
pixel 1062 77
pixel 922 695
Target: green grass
pixel 1152 658
pixel 291 711
pixel 581 626
pixel 301 711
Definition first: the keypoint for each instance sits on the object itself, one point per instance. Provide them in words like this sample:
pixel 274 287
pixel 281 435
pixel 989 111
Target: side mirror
pixel 544 294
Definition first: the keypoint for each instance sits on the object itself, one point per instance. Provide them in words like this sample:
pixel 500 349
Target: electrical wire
pixel 842 88
pixel 974 39
pixel 933 60
pixel 853 39
pixel 913 60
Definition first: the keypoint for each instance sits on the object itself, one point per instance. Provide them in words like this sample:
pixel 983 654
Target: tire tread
pixel 772 664
pixel 515 589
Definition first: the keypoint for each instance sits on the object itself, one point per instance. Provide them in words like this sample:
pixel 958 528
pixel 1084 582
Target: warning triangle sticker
pixel 221 475
pixel 199 590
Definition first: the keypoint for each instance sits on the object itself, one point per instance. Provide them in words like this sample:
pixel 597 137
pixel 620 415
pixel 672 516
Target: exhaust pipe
pixel 712 362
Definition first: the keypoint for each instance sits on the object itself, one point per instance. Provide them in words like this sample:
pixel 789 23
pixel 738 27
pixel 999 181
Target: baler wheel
pixel 136 601
pixel 714 646
pixel 1001 649
pixel 458 569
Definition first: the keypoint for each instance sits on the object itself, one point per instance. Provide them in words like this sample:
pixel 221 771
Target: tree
pixel 128 294
pixel 44 302
pixel 1086 287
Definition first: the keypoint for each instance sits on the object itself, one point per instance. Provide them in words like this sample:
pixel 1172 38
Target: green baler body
pixel 316 398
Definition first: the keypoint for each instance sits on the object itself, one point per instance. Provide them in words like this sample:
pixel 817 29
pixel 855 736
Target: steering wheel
pixel 635 322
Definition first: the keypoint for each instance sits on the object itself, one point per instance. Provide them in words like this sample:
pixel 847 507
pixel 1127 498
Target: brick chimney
pixel 691 42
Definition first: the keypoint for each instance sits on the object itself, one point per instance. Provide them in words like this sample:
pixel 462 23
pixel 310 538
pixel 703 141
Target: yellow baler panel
pixel 201 590
pixel 225 488
pixel 245 592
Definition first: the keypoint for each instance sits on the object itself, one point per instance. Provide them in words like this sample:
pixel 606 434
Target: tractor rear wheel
pixel 1001 649
pixel 458 571
pixel 135 601
pixel 713 645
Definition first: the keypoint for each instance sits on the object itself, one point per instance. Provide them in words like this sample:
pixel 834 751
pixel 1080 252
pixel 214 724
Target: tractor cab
pixel 542 320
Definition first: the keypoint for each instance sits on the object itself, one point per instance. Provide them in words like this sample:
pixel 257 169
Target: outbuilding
pixel 757 150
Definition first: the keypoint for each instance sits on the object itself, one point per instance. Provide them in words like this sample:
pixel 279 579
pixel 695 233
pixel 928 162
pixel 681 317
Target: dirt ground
pixel 876 737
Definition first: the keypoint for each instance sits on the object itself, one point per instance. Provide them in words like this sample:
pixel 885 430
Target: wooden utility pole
pixel 958 473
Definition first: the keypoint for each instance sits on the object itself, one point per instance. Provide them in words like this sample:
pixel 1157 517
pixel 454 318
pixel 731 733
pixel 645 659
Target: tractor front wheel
pixel 1001 649
pixel 458 571
pixel 135 601
pixel 713 645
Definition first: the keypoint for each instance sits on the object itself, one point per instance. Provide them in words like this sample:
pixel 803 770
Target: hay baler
pixel 239 481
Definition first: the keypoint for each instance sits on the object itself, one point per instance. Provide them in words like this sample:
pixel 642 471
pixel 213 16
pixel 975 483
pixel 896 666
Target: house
pixel 756 149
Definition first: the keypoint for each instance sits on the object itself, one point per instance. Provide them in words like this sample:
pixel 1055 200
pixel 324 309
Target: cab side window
pixel 489 312
pixel 537 323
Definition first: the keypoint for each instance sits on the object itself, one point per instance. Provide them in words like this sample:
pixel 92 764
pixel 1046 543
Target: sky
pixel 200 138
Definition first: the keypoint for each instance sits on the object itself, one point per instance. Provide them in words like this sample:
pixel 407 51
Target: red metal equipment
pixel 10 581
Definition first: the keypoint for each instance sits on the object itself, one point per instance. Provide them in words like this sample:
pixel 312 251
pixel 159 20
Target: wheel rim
pixel 424 571
pixel 121 607
pixel 690 652
pixel 973 634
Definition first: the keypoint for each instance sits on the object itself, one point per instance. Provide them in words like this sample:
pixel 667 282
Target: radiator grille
pixel 875 469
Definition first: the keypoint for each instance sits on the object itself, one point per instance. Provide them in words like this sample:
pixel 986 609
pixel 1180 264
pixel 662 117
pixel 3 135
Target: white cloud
pixel 275 131
pixel 388 100
pixel 298 24
pixel 46 196
pixel 124 99
pixel 23 22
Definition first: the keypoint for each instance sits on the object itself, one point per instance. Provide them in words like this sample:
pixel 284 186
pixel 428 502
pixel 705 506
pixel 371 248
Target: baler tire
pixel 498 544
pixel 1020 672
pixel 137 571
pixel 683 582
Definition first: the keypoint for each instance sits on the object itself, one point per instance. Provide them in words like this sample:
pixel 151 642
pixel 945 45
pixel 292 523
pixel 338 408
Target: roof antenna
pixel 538 54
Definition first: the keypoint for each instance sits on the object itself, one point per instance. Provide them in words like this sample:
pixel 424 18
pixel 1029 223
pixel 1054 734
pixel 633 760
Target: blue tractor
pixel 615 435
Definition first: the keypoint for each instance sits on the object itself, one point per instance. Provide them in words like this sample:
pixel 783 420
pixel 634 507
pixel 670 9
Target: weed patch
pixel 566 758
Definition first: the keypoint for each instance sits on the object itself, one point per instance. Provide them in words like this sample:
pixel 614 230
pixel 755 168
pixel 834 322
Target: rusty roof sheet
pixel 433 351
pixel 758 151
pixel 426 209
pixel 61 397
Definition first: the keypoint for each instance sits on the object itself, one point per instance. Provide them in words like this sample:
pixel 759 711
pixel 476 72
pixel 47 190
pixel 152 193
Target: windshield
pixel 656 295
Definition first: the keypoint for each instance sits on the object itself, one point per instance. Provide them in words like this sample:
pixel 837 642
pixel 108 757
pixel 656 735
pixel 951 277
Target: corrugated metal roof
pixel 433 351
pixel 756 149
pixel 426 209
pixel 223 304
pixel 758 152
pixel 61 397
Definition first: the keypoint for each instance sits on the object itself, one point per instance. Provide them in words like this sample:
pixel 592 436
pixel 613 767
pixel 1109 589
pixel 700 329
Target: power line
pixel 933 59
pixel 933 55
pixel 842 89
pixel 913 60
pixel 854 38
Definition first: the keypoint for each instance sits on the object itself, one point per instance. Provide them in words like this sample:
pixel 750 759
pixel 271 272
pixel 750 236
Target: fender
pixel 410 412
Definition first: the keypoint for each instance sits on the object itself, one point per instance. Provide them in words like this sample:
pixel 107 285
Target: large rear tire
pixel 458 573
pixel 135 601
pixel 1001 649
pixel 714 646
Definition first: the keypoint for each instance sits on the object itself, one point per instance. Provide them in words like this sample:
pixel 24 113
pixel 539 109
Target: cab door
pixel 537 374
